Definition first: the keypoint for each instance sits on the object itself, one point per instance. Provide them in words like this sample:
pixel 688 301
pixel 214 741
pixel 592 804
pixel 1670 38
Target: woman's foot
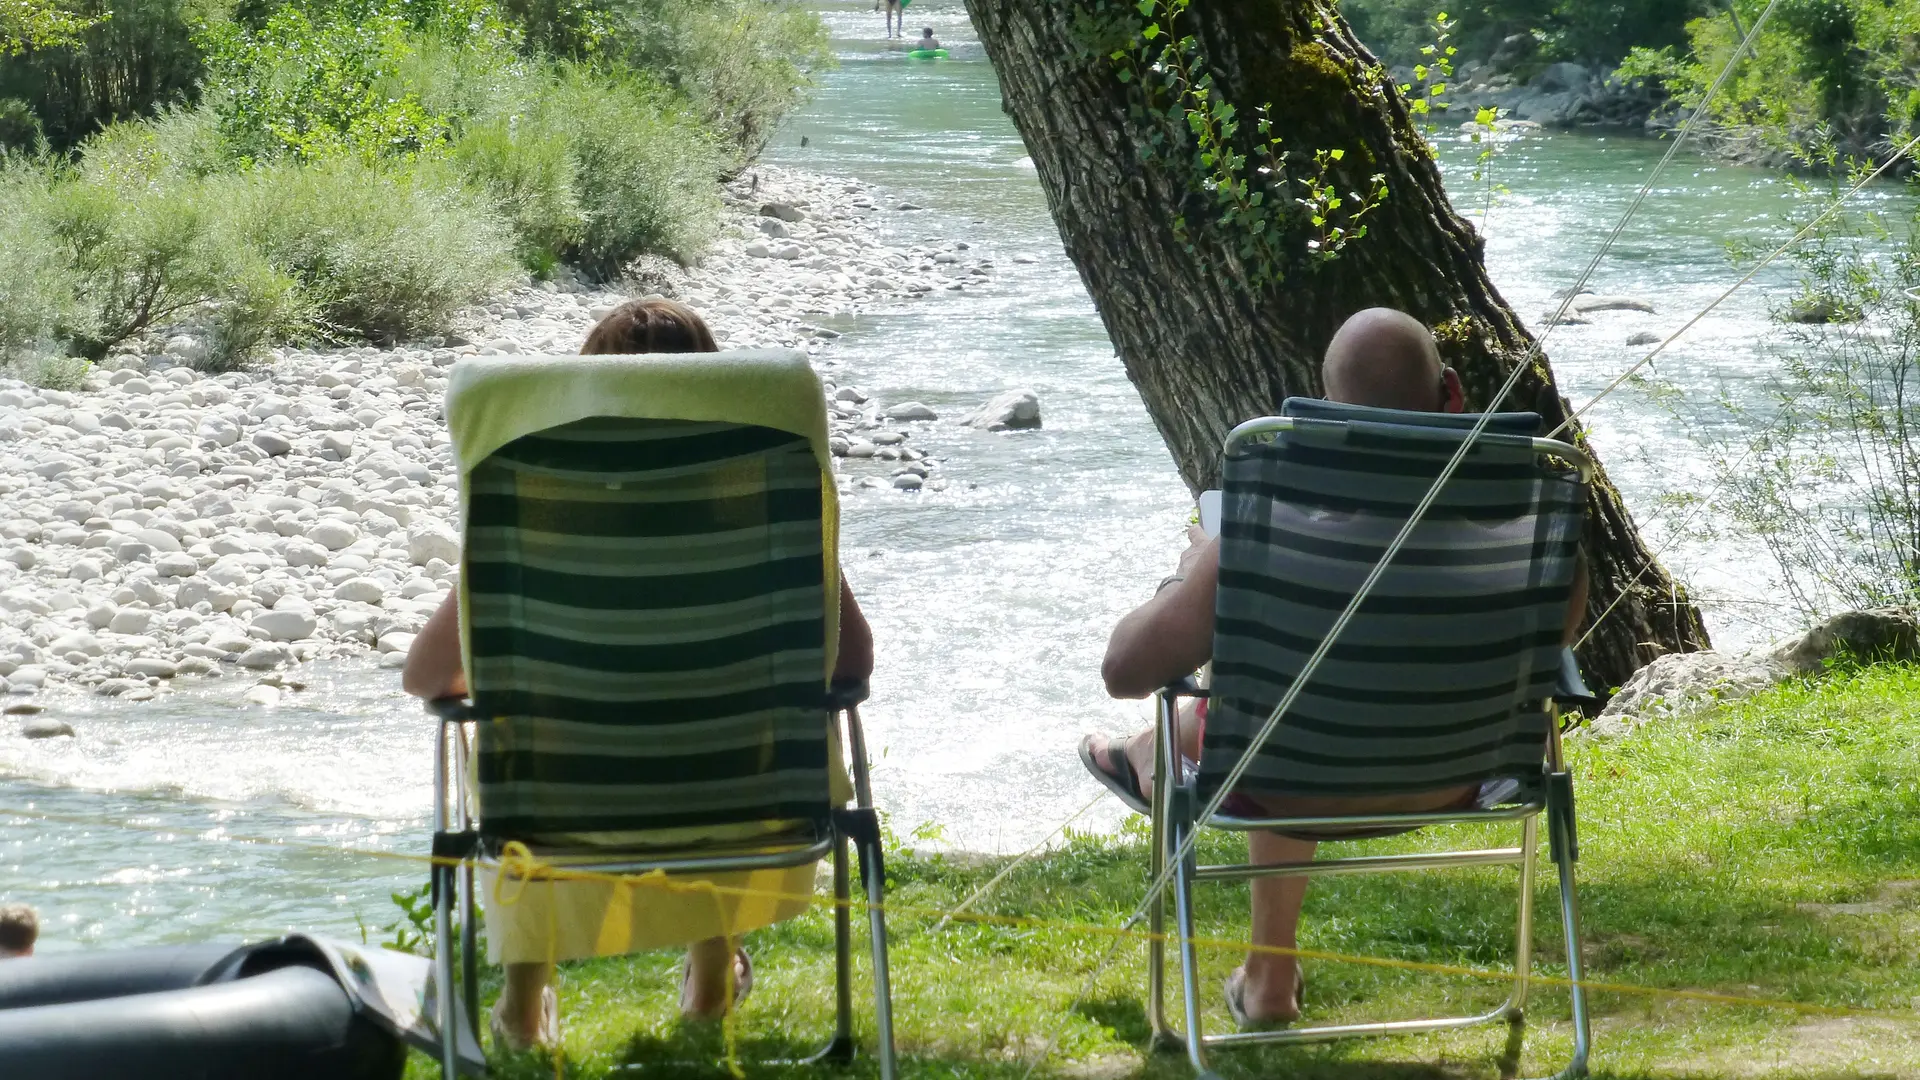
pixel 519 1029
pixel 710 985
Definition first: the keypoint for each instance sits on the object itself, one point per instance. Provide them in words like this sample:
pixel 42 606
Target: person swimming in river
pixel 895 11
pixel 927 40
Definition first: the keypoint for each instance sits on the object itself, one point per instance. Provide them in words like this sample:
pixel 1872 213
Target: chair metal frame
pixel 1176 809
pixel 458 850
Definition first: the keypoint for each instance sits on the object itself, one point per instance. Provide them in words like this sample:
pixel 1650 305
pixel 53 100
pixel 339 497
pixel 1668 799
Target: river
pixel 991 601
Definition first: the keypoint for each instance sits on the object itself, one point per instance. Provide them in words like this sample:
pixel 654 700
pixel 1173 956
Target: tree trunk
pixel 1209 340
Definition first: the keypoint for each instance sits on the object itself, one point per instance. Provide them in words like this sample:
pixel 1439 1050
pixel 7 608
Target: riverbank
pixel 1744 851
pixel 162 523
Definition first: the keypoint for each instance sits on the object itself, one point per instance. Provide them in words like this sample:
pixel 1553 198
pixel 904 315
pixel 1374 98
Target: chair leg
pixel 1523 934
pixel 1164 1037
pixel 839 1050
pixel 882 982
pixel 1576 969
pixel 443 972
pixel 1182 885
pixel 469 948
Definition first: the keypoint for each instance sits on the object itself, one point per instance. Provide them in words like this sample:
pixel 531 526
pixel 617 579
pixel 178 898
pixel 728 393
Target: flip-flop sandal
pixel 1237 1002
pixel 742 985
pixel 1106 758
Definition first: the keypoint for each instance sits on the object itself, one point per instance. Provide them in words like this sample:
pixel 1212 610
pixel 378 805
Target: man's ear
pixel 1453 397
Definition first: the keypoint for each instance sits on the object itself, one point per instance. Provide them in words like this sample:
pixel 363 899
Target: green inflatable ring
pixel 927 54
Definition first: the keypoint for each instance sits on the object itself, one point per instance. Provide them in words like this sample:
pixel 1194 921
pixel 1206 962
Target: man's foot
pixel 1247 1006
pixel 1106 758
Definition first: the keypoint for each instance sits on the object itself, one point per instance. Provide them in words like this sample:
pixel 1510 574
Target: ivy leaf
pixel 1152 31
pixel 1145 7
pixel 1125 76
pixel 1420 72
pixel 1336 154
pixel 1437 89
pixel 1486 117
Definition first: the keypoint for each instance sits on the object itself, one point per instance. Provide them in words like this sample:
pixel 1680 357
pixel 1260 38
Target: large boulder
pixel 1013 410
pixel 1679 682
pixel 1875 635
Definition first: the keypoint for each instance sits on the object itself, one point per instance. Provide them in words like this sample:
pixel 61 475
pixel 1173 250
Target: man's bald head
pixel 1387 359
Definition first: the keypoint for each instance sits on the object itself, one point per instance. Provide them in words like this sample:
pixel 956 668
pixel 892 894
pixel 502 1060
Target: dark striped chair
pixel 1446 677
pixel 647 604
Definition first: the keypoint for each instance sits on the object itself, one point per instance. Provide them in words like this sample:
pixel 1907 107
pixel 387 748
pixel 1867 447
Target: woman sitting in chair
pixel 715 979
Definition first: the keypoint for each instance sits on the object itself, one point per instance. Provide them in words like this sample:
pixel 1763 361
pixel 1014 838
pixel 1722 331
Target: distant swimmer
pixel 927 40
pixel 894 12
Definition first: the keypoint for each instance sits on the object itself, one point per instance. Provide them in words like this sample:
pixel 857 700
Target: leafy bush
pixel 1835 79
pixel 527 171
pixel 742 64
pixel 644 175
pixel 36 293
pixel 376 251
pixel 1576 30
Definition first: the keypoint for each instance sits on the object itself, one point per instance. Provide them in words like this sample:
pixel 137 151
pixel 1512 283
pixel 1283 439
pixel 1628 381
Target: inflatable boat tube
pixel 927 54
pixel 198 1012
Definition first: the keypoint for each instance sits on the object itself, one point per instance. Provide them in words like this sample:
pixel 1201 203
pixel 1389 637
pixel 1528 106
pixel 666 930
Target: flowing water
pixel 991 601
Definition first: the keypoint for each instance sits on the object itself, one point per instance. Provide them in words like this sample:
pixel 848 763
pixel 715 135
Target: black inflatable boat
pixel 292 1009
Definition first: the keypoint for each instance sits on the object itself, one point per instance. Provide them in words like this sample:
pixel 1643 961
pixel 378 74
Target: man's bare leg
pixel 1273 979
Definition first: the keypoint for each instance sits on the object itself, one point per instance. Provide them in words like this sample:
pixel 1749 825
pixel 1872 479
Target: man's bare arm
pixel 1171 635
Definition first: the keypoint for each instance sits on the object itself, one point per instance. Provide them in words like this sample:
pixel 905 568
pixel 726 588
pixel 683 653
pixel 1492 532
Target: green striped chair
pixel 1447 676
pixel 650 592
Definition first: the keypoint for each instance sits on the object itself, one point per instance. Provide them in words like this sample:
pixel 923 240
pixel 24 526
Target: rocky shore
pixel 162 522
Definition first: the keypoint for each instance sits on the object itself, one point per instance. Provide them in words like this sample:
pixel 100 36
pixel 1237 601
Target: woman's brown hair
pixel 649 326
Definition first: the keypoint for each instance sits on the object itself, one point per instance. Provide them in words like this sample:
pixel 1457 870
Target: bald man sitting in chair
pixel 1379 357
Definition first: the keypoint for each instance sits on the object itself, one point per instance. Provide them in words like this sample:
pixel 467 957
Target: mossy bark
pixel 1206 349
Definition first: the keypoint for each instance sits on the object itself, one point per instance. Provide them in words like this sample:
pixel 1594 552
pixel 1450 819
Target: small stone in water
pixel 45 727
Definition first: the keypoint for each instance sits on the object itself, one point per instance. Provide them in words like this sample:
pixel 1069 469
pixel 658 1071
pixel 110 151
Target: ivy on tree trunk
pixel 1210 338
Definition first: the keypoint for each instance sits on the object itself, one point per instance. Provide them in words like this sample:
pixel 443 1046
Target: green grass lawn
pixel 1767 849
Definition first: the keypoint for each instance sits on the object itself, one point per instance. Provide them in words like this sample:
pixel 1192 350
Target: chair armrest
pixel 1185 686
pixel 845 693
pixel 452 710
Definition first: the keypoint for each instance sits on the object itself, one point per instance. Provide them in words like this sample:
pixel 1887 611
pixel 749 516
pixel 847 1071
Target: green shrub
pixel 742 64
pixel 644 175
pixel 377 251
pixel 36 293
pixel 67 373
pixel 527 172
pixel 317 88
pixel 135 251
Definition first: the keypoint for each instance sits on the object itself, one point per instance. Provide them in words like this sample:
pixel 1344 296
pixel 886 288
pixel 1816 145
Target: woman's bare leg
pixel 710 976
pixel 520 1001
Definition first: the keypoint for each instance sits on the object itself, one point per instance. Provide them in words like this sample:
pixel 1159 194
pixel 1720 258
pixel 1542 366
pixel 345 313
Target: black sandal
pixel 1106 758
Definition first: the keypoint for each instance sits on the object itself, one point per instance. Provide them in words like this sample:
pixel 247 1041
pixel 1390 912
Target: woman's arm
pixel 433 664
pixel 855 660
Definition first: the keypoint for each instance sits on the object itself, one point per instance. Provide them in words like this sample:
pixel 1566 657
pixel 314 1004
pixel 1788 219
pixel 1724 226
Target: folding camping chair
pixel 1446 676
pixel 649 604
